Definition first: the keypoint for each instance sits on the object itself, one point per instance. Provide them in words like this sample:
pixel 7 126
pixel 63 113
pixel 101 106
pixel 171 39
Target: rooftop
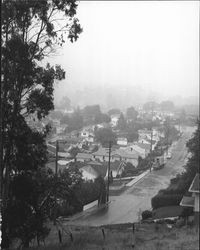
pixel 143 145
pixel 194 187
pixel 187 201
pixel 84 156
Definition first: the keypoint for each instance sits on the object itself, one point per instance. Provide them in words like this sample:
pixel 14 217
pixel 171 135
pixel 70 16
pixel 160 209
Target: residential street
pixel 126 207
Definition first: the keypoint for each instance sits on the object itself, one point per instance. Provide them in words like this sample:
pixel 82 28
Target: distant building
pixel 122 141
pixel 83 157
pixel 141 148
pixel 116 155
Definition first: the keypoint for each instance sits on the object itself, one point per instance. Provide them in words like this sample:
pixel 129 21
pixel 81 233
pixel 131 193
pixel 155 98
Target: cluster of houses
pixel 95 163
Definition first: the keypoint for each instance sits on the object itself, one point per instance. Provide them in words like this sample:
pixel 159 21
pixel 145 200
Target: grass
pixel 120 237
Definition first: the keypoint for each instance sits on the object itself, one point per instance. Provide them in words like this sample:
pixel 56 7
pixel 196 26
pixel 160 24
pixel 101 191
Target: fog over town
pixel 132 52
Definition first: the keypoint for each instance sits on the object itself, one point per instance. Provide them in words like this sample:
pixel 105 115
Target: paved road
pixel 125 208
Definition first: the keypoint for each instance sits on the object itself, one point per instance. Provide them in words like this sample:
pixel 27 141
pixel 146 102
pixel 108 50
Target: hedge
pixel 163 200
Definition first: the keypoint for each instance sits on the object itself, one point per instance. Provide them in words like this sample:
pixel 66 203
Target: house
pixel 148 142
pixel 193 201
pixel 83 157
pixel 116 155
pixel 148 134
pixel 116 168
pixel 141 148
pixel 122 141
pixel 136 149
pixel 85 134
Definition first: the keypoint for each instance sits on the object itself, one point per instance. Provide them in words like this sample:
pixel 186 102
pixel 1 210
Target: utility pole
pixel 108 171
pixel 151 150
pixel 56 165
pixel 151 138
pixel 56 175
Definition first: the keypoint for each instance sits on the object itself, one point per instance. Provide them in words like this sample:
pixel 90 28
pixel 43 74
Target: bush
pixel 146 214
pixel 164 200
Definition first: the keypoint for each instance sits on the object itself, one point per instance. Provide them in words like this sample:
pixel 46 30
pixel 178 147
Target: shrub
pixel 164 200
pixel 146 214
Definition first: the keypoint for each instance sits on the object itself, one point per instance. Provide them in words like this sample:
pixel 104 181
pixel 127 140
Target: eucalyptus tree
pixel 31 31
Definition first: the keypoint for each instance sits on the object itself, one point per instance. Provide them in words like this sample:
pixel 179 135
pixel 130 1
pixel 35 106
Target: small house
pixel 193 200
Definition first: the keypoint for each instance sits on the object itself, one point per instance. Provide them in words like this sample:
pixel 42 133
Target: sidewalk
pixel 90 211
pixel 136 179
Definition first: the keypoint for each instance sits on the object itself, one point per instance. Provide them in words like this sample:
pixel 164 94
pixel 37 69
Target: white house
pixel 116 155
pixel 122 141
pixel 142 148
pixel 82 157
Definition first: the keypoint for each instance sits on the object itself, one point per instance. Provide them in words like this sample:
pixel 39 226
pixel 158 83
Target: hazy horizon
pixel 132 52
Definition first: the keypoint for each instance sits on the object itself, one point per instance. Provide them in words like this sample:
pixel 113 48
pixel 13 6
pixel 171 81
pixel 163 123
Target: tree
pixel 131 113
pixel 105 135
pixel 132 134
pixel 56 114
pixel 65 103
pixel 74 151
pixel 114 112
pixel 65 119
pixel 167 106
pixel 75 121
pixel 100 118
pixel 149 106
pixel 91 111
pixel 30 32
pixel 122 124
pixel 192 166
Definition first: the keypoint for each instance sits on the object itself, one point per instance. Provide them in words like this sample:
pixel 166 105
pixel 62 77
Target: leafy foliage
pixel 105 135
pixel 122 124
pixel 30 32
pixel 114 112
pixel 131 113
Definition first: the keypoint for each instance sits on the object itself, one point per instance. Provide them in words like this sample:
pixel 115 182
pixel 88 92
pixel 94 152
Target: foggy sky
pixel 151 45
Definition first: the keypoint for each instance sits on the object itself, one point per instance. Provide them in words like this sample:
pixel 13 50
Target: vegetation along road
pixel 125 207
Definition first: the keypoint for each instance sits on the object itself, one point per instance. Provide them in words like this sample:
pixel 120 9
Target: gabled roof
pixel 143 145
pixel 96 163
pixel 84 156
pixel 117 152
pixel 194 187
pixel 187 201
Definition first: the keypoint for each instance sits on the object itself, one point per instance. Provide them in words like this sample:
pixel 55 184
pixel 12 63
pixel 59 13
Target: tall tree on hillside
pixel 104 136
pixel 31 30
pixel 131 113
pixel 193 146
pixel 65 103
pixel 122 124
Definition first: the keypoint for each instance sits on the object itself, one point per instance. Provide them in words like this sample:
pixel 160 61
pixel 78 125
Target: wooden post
pixel 56 166
pixel 108 171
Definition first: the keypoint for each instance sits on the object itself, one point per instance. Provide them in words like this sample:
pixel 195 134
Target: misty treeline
pixel 31 31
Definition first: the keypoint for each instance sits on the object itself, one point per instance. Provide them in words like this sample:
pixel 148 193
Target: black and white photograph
pixel 99 125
